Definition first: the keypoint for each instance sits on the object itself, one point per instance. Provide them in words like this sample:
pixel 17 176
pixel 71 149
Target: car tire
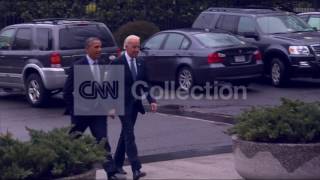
pixel 37 95
pixel 185 79
pixel 278 73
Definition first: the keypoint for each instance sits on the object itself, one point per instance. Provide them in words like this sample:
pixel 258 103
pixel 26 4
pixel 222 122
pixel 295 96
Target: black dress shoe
pixel 138 174
pixel 121 171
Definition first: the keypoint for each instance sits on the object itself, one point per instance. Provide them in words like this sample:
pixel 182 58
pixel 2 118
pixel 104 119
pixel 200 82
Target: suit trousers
pixel 98 128
pixel 126 144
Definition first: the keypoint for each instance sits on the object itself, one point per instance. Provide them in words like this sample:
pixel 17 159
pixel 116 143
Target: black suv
pixel 35 56
pixel 290 47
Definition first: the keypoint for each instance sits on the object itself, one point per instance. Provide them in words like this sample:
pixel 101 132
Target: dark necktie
pixel 133 69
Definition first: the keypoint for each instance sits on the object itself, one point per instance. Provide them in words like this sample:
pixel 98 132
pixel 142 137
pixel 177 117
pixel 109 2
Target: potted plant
pixel 49 155
pixel 281 142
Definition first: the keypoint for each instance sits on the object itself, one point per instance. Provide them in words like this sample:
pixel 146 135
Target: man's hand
pixel 112 113
pixel 154 107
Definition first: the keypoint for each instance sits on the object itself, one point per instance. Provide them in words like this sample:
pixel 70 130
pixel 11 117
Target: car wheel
pixel 185 79
pixel 278 73
pixel 36 93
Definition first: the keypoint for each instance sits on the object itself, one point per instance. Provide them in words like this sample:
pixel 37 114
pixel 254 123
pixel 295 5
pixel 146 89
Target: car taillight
pixel 216 58
pixel 55 60
pixel 257 55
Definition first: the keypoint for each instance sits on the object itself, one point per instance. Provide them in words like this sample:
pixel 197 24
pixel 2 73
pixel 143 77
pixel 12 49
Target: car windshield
pixel 217 39
pixel 282 24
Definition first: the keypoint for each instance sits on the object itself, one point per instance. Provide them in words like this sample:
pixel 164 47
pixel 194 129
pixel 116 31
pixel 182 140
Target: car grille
pixel 316 49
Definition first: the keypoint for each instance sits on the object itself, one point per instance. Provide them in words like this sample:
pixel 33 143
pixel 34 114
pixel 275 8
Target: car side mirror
pixel 253 35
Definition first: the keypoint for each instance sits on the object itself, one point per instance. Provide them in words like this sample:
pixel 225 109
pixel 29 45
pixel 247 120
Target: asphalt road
pixel 257 94
pixel 161 136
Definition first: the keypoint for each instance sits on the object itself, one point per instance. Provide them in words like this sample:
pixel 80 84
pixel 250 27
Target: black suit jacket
pixel 69 86
pixel 130 100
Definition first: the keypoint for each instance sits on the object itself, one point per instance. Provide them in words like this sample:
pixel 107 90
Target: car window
pixel 282 24
pixel 173 41
pixel 246 24
pixel 23 39
pixel 44 39
pixel 185 43
pixel 73 37
pixel 155 42
pixel 204 20
pixel 6 38
pixel 217 39
pixel 227 22
pixel 314 21
pixel 304 17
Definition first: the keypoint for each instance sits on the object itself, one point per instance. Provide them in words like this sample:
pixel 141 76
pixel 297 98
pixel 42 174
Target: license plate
pixel 239 59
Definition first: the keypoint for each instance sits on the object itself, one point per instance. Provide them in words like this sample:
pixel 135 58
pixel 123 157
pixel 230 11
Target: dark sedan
pixel 191 57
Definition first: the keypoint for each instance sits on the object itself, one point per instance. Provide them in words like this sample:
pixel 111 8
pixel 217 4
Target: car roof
pixel 309 13
pixel 58 21
pixel 249 11
pixel 192 31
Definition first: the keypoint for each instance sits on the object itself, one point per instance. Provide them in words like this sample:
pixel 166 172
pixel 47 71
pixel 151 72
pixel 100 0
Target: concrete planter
pixel 276 161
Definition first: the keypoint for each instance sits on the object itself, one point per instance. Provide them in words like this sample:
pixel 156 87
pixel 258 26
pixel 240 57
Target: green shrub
pixel 290 122
pixel 143 29
pixel 48 155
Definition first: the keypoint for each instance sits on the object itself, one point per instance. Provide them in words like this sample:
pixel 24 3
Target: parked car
pixel 312 18
pixel 35 56
pixel 289 47
pixel 190 57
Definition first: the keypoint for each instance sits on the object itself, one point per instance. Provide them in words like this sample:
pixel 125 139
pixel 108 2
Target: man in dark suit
pixel 134 71
pixel 96 123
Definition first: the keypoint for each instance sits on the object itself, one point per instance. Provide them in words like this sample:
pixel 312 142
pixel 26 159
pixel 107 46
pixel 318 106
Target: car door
pixel 247 25
pixel 171 57
pixel 20 53
pixel 6 41
pixel 150 53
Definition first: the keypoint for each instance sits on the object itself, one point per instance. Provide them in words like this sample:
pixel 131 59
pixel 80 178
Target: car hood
pixel 301 38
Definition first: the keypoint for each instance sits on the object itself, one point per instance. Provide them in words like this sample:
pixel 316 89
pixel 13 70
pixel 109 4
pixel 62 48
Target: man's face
pixel 133 47
pixel 94 49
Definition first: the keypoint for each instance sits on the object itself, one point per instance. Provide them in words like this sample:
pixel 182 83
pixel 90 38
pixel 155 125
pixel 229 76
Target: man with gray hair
pixel 134 71
pixel 96 123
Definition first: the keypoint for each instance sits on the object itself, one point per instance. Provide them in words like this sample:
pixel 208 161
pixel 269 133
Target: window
pixel 185 43
pixel 282 24
pixel 304 17
pixel 73 37
pixel 227 22
pixel 23 39
pixel 155 42
pixel 246 24
pixel 204 20
pixel 314 21
pixel 213 40
pixel 174 41
pixel 44 39
pixel 6 38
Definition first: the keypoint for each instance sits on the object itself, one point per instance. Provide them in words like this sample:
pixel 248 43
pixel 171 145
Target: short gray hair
pixel 126 41
pixel 90 40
